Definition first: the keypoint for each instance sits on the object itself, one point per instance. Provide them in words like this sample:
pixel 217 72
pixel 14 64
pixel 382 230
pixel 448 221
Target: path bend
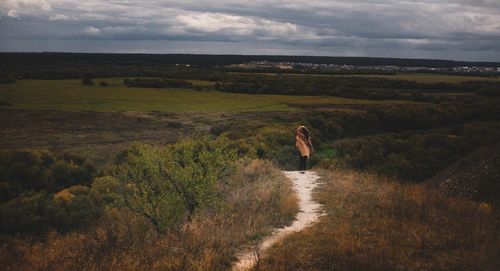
pixel 309 212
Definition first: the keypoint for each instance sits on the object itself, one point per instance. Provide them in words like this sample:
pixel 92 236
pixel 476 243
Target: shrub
pixel 106 191
pixel 415 156
pixel 287 158
pixel 69 173
pixel 87 82
pixel 4 103
pixel 40 170
pixel 25 213
pixel 166 184
pixel 36 212
pixel 72 208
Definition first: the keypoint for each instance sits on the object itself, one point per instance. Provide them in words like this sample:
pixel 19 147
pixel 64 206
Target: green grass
pixel 71 95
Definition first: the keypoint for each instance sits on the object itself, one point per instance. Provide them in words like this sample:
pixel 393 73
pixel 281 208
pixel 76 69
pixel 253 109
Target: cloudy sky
pixel 444 29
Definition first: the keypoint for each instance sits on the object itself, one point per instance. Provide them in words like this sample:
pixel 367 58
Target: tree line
pixel 157 83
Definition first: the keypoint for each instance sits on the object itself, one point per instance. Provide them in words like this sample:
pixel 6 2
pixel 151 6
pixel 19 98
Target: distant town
pixel 379 68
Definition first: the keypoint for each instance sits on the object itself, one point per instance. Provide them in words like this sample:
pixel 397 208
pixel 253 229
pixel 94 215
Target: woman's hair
pixel 304 130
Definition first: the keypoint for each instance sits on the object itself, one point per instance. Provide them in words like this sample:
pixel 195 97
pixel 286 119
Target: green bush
pixel 106 191
pixel 69 173
pixel 25 214
pixel 40 170
pixel 36 212
pixel 168 184
pixel 287 158
pixel 72 208
pixel 414 156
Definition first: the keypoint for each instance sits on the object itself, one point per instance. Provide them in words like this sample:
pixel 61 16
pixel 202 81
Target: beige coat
pixel 303 143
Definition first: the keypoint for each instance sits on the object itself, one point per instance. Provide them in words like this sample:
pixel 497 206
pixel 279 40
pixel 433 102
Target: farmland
pixel 71 95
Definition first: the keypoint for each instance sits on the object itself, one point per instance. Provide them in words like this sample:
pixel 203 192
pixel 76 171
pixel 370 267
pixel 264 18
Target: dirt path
pixel 309 212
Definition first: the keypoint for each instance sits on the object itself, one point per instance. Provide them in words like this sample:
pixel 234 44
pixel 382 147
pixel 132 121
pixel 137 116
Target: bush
pixel 72 208
pixel 103 84
pixel 87 82
pixel 106 191
pixel 167 184
pixel 414 156
pixel 287 158
pixel 36 212
pixel 25 214
pixel 41 170
pixel 4 103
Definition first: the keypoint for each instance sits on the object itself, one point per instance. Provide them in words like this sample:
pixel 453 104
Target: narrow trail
pixel 309 213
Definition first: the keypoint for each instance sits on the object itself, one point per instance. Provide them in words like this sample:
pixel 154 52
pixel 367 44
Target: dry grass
pixel 256 199
pixel 376 224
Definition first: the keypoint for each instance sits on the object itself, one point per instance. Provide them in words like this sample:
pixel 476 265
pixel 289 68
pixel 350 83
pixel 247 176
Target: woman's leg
pixel 303 160
pixel 300 162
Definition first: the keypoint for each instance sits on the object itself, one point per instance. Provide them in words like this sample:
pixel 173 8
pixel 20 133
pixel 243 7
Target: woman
pixel 304 145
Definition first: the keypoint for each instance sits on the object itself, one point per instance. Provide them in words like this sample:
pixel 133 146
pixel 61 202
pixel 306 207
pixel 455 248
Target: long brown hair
pixel 304 130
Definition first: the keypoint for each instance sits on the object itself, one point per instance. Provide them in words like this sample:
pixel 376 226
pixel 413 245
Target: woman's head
pixel 303 130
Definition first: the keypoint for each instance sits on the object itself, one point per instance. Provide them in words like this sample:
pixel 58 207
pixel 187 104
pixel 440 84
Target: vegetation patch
pixel 181 207
pixel 376 224
pixel 4 103
pixel 71 95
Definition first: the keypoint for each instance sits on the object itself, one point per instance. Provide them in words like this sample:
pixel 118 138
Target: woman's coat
pixel 303 143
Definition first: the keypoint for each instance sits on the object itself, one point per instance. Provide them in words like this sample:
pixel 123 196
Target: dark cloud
pixel 460 29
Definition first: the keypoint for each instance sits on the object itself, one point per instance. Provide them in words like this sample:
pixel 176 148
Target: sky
pixel 439 29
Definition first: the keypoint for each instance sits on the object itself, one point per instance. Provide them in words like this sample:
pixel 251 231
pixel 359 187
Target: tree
pixel 195 167
pixel 168 184
pixel 143 188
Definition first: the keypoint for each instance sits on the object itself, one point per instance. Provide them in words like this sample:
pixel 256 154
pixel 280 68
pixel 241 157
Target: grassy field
pixel 71 95
pixel 419 77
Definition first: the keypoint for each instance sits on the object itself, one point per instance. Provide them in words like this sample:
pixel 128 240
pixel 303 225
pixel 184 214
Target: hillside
pixel 476 176
pixel 374 223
